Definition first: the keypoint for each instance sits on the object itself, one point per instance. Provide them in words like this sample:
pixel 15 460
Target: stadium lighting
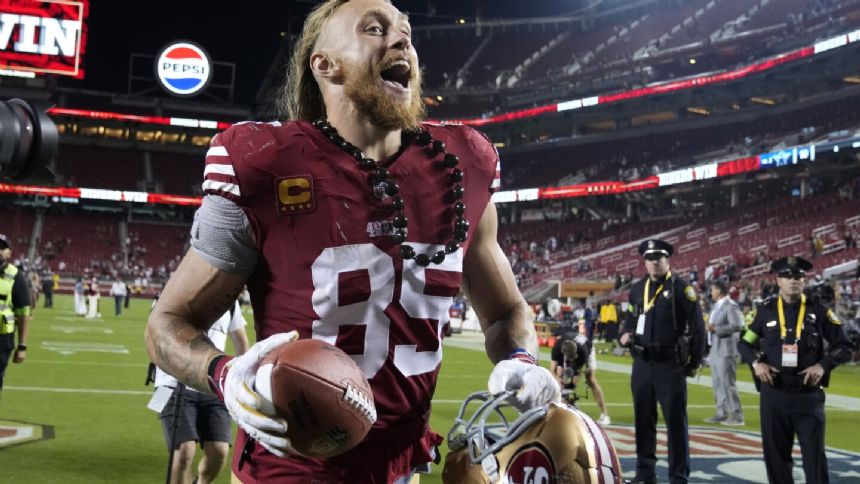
pixel 692 60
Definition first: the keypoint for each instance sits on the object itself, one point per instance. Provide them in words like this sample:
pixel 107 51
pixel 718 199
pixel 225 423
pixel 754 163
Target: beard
pixel 364 88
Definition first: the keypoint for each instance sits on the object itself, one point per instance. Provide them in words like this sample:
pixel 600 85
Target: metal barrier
pixel 721 260
pixel 612 258
pixel 716 239
pixel 626 266
pixel 833 247
pixel 758 248
pixel 824 230
pixel 721 225
pixel 605 241
pixel 755 270
pixel 696 233
pixel 790 240
pixel 689 246
pixel 748 229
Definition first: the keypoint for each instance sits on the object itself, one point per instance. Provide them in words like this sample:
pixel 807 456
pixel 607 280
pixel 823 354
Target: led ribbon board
pixel 42 37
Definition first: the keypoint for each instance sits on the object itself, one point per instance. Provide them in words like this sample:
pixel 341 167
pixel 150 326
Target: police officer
pixel 14 309
pixel 785 344
pixel 665 333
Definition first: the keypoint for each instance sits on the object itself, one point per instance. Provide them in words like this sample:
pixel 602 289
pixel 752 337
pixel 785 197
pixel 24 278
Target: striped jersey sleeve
pixel 219 176
pixel 497 179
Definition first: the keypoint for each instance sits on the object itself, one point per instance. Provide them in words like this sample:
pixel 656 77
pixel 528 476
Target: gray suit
pixel 728 320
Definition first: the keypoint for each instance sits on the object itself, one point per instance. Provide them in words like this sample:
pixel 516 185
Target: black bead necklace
pixel 383 187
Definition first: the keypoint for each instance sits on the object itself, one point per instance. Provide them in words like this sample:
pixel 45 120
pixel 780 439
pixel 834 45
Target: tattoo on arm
pixel 178 343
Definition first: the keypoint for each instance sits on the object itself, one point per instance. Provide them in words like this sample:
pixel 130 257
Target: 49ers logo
pixel 530 465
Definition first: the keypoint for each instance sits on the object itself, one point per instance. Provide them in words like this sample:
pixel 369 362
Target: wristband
pixel 217 373
pixel 523 355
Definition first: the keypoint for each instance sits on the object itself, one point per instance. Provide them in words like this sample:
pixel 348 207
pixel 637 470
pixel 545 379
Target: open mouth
pixel 397 75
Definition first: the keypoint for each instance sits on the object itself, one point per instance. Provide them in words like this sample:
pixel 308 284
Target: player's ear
pixel 325 66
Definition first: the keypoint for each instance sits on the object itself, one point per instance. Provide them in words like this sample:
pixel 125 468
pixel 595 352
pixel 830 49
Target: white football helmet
pixel 551 444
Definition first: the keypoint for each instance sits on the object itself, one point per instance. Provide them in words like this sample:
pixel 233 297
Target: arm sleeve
pixel 749 342
pixel 20 293
pixel 222 236
pixel 629 315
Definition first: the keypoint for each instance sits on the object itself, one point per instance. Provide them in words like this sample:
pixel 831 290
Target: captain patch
pixel 295 194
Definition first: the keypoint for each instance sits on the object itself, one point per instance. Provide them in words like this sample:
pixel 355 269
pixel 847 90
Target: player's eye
pixel 375 30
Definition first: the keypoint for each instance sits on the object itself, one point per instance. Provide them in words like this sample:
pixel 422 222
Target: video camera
pixel 28 142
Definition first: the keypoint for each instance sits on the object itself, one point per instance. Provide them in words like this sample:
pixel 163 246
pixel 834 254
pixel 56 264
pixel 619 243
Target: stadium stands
pixel 667 149
pixel 18 226
pixel 81 240
pixel 178 173
pixel 742 240
pixel 99 167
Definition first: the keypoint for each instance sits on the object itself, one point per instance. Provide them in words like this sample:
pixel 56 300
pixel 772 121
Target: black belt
pixel 793 384
pixel 654 352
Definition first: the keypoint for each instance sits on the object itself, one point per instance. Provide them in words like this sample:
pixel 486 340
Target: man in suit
pixel 724 326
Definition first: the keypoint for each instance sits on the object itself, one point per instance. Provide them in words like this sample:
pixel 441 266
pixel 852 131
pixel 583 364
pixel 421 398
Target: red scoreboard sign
pixel 43 37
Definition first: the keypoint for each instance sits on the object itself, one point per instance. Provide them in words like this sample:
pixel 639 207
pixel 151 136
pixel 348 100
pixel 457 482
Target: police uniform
pixel 792 338
pixel 14 304
pixel 666 330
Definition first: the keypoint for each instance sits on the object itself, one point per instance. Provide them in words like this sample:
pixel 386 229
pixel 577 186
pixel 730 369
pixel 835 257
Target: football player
pixel 354 223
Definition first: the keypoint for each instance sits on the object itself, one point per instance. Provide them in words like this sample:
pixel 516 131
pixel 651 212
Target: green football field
pixel 83 387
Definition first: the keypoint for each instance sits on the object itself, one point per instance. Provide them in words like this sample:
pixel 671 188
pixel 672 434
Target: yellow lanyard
pixel 650 304
pixel 800 315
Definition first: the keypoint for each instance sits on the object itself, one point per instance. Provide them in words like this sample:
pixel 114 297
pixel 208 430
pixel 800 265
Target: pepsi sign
pixel 183 68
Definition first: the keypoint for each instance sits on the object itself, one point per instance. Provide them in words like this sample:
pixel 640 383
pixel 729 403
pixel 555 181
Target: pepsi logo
pixel 183 68
pixel 531 465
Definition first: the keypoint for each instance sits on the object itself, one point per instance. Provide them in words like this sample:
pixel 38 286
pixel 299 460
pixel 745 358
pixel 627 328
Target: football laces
pixel 356 399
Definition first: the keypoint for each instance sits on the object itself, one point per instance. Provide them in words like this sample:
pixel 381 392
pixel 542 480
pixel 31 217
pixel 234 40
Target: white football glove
pixel 245 405
pixel 534 384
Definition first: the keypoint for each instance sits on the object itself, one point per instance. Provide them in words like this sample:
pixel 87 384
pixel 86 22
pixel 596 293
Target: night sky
pixel 244 32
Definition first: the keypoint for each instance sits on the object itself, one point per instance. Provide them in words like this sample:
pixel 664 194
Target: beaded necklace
pixel 384 187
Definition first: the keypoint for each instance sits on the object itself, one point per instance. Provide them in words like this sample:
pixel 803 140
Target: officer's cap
pixel 655 246
pixel 4 242
pixel 791 266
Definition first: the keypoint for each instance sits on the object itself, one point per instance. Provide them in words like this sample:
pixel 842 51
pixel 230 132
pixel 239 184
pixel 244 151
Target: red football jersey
pixel 328 267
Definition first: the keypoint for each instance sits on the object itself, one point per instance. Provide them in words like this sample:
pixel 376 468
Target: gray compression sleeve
pixel 222 236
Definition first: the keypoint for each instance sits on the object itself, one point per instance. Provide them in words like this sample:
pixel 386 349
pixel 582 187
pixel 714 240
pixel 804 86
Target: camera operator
pixel 572 353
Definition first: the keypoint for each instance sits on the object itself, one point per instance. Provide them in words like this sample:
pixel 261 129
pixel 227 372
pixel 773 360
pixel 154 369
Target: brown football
pixel 321 392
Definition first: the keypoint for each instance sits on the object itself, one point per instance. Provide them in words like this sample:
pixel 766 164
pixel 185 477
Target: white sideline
pixel 476 342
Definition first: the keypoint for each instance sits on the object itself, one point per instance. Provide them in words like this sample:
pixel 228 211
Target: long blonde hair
pixel 301 98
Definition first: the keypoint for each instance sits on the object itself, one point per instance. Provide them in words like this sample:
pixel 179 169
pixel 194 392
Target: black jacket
pixel 676 310
pixel 762 340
